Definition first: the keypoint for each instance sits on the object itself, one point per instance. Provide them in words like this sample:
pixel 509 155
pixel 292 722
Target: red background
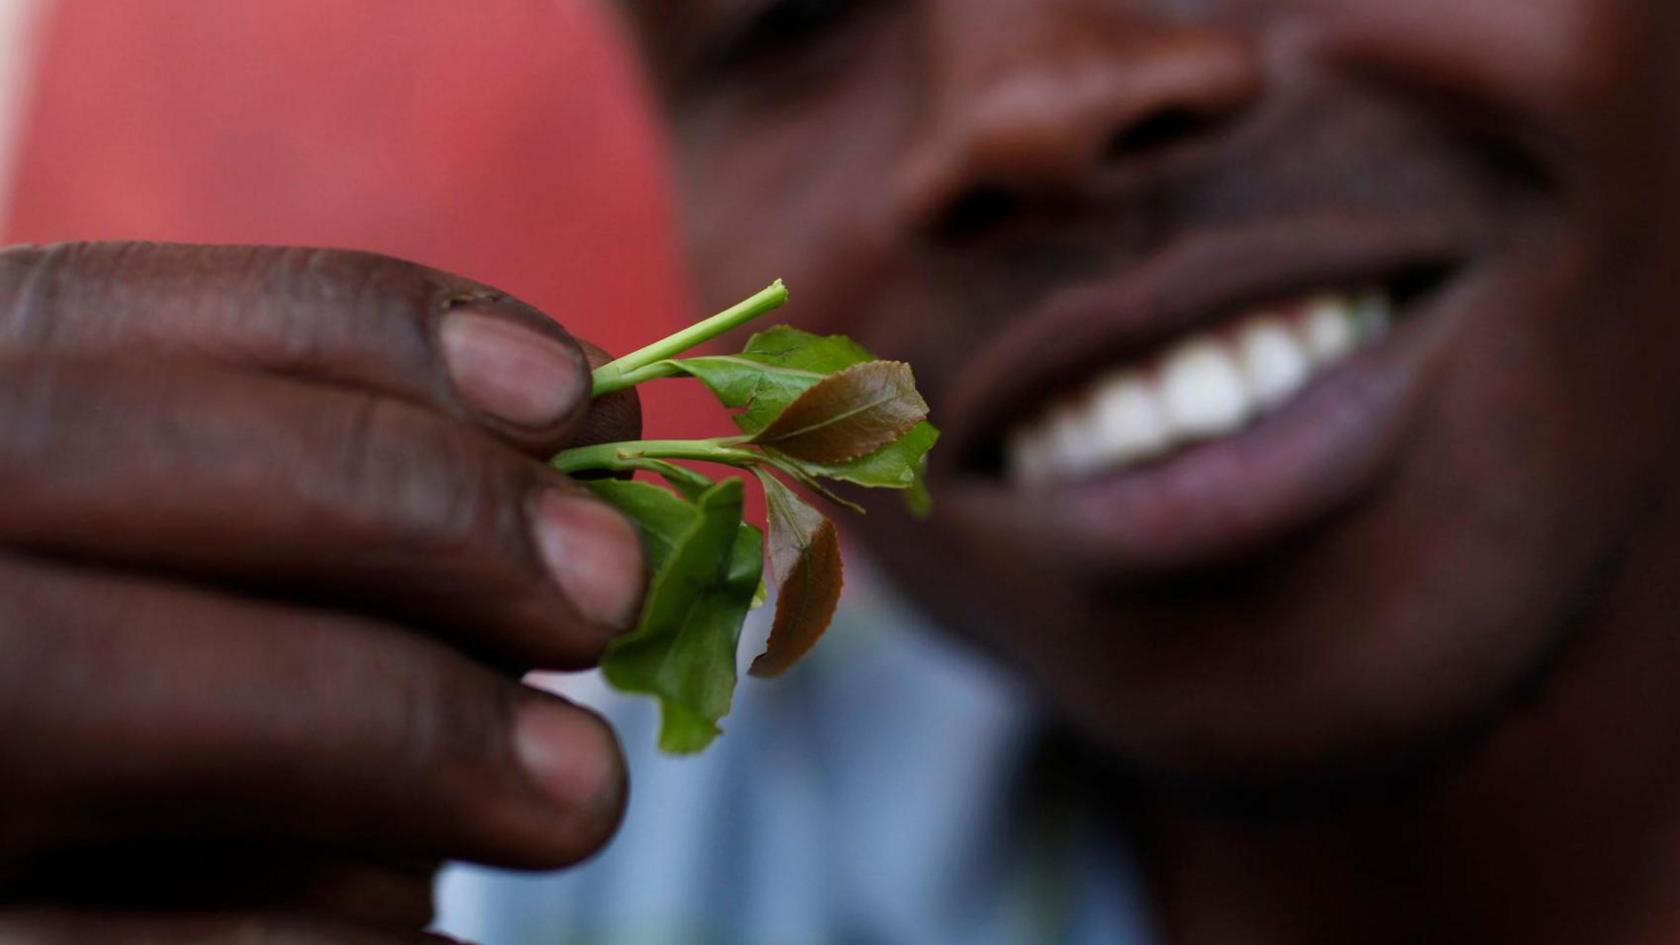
pixel 502 139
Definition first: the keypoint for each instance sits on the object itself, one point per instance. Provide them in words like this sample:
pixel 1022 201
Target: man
pixel 1309 408
pixel 1310 413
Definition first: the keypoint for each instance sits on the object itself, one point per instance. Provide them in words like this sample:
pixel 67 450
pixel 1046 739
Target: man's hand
pixel 276 543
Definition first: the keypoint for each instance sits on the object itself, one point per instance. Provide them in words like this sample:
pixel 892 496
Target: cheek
pixel 1547 446
pixel 1551 60
pixel 798 189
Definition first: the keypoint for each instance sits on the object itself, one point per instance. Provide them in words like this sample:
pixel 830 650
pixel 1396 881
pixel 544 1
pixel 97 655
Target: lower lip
pixel 1220 500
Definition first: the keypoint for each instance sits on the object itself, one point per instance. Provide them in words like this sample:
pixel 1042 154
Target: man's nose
pixel 1026 103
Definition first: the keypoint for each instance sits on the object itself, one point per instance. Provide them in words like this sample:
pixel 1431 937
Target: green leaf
pixel 772 371
pixel 764 391
pixel 706 566
pixel 661 517
pixel 805 560
pixel 801 360
pixel 848 415
pixel 786 347
pixel 692 485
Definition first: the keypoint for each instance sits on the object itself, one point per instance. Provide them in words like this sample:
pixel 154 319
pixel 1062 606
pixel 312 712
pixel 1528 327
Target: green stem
pixel 615 456
pixel 639 366
pixel 652 372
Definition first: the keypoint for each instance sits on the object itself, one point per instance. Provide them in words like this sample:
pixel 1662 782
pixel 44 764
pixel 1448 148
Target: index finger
pixel 339 317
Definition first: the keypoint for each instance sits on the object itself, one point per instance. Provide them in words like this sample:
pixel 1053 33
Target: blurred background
pixel 507 141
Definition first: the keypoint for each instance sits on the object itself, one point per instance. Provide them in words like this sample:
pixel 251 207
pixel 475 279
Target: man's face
pixel 1299 360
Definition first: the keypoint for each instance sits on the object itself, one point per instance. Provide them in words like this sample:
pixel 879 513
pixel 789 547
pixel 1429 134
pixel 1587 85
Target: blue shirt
pixel 871 797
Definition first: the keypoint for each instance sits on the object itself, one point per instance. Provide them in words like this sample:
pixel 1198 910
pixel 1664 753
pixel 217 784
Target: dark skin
pixel 277 544
pixel 277 540
pixel 1449 577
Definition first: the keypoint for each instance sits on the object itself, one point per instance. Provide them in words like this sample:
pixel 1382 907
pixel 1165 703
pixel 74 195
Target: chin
pixel 1251 689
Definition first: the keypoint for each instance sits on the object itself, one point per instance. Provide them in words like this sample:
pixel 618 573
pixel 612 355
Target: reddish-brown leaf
pixel 805 606
pixel 848 414
pixel 805 560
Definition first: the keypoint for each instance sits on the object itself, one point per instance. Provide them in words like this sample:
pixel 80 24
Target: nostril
pixel 980 209
pixel 1157 132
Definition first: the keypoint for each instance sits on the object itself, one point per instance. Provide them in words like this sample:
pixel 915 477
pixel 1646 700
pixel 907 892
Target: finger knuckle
pixel 453 718
pixel 51 296
pixel 30 284
pixel 457 745
pixel 26 604
pixel 53 640
pixel 434 487
pixel 35 393
pixel 450 722
pixel 393 300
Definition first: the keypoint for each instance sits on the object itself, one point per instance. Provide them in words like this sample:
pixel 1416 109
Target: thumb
pixel 611 418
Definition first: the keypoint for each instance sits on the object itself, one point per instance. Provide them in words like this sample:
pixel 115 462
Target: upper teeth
pixel 1207 386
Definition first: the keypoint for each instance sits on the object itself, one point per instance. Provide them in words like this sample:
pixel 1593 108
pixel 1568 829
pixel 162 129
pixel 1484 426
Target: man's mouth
pixel 1221 397
pixel 1215 383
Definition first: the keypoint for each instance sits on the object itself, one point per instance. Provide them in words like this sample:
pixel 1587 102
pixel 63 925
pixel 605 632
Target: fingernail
pixel 594 554
pixel 567 754
pixel 509 371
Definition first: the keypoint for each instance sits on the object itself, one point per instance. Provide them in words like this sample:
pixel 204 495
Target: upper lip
pixel 1186 286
